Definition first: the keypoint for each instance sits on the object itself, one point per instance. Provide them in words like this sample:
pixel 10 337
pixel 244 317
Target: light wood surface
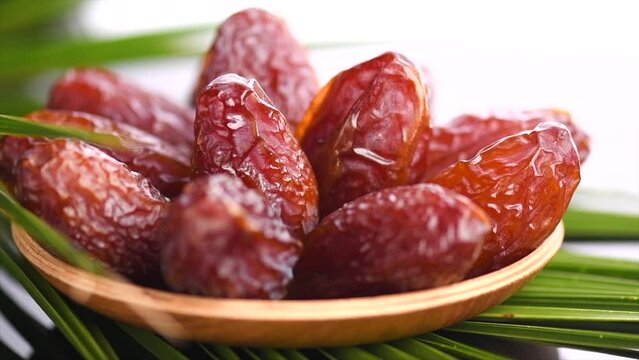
pixel 288 323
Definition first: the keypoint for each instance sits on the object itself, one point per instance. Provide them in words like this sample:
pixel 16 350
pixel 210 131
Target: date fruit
pixel 223 239
pixel 102 92
pixel 524 182
pixel 363 127
pixel 106 209
pixel 465 135
pixel 258 45
pixel 239 131
pixel 166 166
pixel 394 240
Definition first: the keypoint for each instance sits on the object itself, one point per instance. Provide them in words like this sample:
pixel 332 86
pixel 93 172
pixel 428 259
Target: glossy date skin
pixel 239 131
pixel 465 135
pixel 394 240
pixel 258 45
pixel 106 209
pixel 165 165
pixel 104 93
pixel 361 131
pixel 222 239
pixel 524 182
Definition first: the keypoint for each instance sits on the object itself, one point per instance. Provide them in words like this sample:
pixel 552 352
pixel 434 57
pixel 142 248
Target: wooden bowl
pixel 288 323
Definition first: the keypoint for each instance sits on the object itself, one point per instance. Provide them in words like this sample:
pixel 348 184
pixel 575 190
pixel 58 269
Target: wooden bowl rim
pixel 282 310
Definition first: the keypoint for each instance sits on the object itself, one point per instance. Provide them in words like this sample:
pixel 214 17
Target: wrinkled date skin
pixel 362 129
pixel 165 165
pixel 222 239
pixel 524 182
pixel 108 210
pixel 465 135
pixel 11 149
pixel 102 92
pixel 238 131
pixel 394 240
pixel 258 45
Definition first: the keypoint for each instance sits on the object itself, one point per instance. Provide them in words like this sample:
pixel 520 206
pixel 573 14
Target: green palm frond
pixel 604 341
pixel 23 60
pixel 19 126
pixel 14 19
pixel 74 329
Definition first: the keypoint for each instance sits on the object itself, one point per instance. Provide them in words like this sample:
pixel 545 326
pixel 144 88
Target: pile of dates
pixel 276 187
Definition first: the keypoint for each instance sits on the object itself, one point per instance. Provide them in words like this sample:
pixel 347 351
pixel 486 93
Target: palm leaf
pixel 74 329
pixel 292 354
pixel 48 341
pixel 351 353
pixel 20 126
pixel 81 332
pixel 17 99
pixel 513 313
pixel 604 341
pixel 422 350
pixel 577 263
pixel 587 224
pixel 599 215
pixel 155 345
pixel 386 351
pixel 222 351
pixel 13 16
pixel 27 59
pixel 459 349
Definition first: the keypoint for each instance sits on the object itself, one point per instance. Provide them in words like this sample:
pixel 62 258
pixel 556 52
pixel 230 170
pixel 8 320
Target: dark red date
pixel 108 210
pixel 165 165
pixel 524 182
pixel 362 129
pixel 394 240
pixel 258 45
pixel 463 137
pixel 102 92
pixel 239 131
pixel 223 239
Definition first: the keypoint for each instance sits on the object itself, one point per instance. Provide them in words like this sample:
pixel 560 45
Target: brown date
pixel 258 45
pixel 524 182
pixel 465 135
pixel 223 239
pixel 102 92
pixel 108 210
pixel 239 131
pixel 166 166
pixel 362 129
pixel 394 240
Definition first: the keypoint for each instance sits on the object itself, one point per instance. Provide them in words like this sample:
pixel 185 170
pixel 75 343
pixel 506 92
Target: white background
pixel 488 55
